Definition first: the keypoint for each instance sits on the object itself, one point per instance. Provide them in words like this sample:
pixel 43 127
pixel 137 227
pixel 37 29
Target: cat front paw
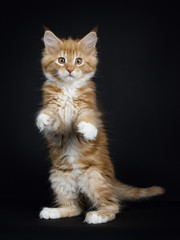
pixel 43 120
pixel 88 130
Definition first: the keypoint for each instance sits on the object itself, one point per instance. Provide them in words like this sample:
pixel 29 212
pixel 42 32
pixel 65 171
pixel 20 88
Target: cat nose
pixel 70 69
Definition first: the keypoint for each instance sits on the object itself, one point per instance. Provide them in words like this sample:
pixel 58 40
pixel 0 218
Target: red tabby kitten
pixel 71 122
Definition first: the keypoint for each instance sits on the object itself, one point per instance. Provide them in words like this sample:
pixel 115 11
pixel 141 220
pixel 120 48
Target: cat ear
pixel 50 40
pixel 89 41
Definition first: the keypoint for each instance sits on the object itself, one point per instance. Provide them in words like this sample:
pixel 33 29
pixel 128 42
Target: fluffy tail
pixel 126 192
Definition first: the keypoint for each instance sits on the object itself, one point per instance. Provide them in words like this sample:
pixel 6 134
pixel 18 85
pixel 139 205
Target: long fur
pixel 71 123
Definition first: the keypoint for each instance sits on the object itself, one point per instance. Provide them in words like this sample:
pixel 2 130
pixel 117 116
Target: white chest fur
pixel 68 112
pixel 68 109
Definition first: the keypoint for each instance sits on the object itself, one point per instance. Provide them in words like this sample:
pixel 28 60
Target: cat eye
pixel 78 61
pixel 61 60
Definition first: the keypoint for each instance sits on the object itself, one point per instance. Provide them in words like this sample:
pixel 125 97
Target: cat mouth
pixel 70 75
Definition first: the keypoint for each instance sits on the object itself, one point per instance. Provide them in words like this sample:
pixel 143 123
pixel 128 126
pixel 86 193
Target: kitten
pixel 71 122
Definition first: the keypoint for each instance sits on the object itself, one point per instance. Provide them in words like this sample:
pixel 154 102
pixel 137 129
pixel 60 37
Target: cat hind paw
pixel 49 213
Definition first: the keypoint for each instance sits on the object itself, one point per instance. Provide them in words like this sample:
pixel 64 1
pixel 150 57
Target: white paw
pixel 94 218
pixel 43 120
pixel 49 213
pixel 88 130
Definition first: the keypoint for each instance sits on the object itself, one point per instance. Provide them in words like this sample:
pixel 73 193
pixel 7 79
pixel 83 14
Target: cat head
pixel 68 60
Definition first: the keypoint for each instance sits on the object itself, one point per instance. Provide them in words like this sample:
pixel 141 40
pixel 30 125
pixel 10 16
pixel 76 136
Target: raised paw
pixel 88 130
pixel 43 120
pixel 49 213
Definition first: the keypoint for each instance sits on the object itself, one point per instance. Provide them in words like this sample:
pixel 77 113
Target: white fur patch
pixel 64 185
pixel 88 130
pixel 42 121
pixel 50 78
pixel 94 218
pixel 49 213
pixel 67 110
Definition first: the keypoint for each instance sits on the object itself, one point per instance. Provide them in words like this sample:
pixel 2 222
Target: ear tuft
pixel 89 41
pixel 95 29
pixel 50 40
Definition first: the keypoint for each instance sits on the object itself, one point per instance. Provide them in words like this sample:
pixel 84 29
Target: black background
pixel 136 83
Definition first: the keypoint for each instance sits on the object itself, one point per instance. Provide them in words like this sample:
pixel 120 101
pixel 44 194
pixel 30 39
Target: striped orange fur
pixel 71 122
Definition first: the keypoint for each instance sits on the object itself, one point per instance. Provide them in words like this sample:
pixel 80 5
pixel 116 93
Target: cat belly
pixel 64 184
pixel 65 181
pixel 69 185
pixel 70 150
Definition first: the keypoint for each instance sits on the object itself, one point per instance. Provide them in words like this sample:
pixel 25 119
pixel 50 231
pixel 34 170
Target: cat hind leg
pixel 101 193
pixel 67 198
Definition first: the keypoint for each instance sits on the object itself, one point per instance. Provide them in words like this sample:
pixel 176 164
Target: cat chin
pixel 68 79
